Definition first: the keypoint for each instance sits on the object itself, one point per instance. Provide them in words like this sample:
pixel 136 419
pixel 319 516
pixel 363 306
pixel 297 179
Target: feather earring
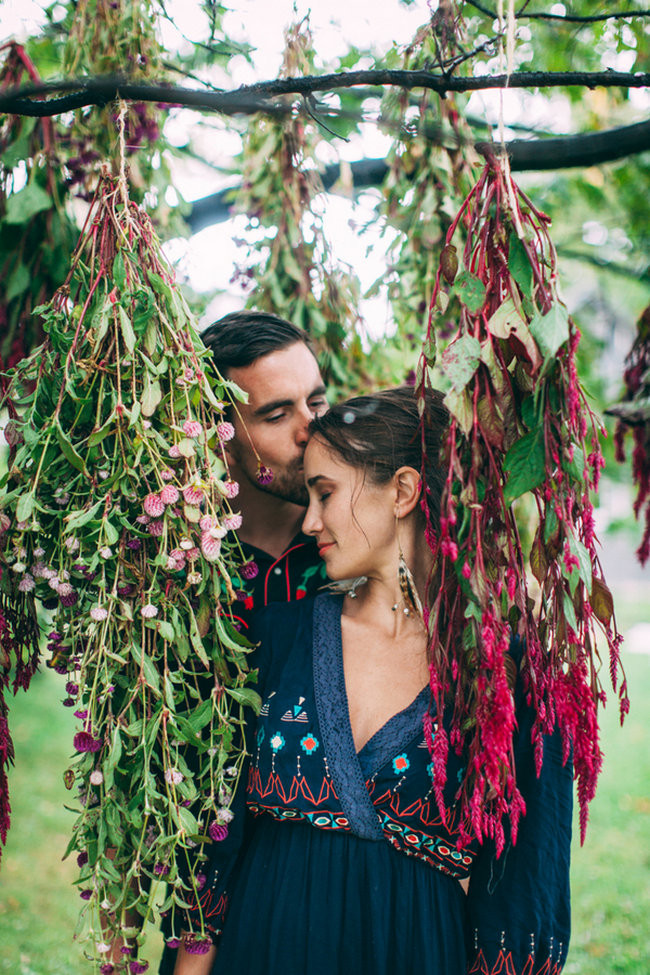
pixel 412 602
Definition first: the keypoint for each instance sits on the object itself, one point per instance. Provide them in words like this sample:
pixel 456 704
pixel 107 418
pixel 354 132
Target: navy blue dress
pixel 341 863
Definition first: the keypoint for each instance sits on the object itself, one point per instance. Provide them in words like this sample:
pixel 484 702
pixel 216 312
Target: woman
pixel 345 865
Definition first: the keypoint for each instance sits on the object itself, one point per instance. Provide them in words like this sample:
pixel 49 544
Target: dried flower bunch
pixel 116 517
pixel 520 425
pixel 634 417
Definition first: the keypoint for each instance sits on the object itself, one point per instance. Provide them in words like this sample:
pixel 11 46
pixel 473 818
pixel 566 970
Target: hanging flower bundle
pixel 117 520
pixel 520 425
pixel 634 416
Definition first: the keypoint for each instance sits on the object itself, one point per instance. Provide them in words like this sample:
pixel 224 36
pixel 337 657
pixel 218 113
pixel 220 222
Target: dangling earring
pixel 347 586
pixel 412 602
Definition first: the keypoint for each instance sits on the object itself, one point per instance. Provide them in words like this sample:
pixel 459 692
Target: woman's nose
pixel 312 523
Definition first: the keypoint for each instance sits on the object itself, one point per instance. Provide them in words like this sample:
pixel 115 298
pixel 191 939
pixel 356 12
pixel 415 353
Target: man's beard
pixel 288 484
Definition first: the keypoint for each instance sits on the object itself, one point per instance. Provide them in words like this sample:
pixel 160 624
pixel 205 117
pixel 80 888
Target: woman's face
pixel 352 519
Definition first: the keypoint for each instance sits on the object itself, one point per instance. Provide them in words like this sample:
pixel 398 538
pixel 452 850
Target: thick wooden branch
pixel 31 100
pixel 566 17
pixel 564 152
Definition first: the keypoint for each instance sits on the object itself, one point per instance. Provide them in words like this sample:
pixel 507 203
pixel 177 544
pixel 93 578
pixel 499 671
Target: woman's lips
pixel 323 547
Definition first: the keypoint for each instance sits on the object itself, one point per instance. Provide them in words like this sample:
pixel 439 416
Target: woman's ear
pixel 407 490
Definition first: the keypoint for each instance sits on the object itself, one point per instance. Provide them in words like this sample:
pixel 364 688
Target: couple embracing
pixel 337 861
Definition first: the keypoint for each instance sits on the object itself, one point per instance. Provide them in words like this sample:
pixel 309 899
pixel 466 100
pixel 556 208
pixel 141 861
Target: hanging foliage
pixel 520 425
pixel 431 170
pixel 36 235
pixel 299 280
pixel 116 518
pixel 634 417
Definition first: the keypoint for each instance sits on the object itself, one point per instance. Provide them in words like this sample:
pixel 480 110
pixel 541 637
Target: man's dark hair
pixel 242 337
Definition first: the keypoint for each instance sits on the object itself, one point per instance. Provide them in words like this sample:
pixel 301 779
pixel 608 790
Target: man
pixel 273 362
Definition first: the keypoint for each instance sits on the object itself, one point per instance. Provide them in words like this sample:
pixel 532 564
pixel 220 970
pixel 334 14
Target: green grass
pixel 39 906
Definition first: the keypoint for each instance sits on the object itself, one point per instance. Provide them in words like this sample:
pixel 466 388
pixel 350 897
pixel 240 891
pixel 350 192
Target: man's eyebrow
pixel 278 404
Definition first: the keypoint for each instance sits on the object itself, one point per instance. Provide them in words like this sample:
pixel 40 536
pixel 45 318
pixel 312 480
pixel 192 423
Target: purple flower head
pixel 160 869
pixel 68 598
pixel 173 943
pixel 69 702
pixel 82 714
pixel 125 950
pixel 125 590
pixel 264 474
pixel 71 688
pixel 53 635
pixel 218 831
pixel 83 741
pixel 134 544
pixel 197 946
pixel 138 967
pixel 200 880
pixel 250 570
pixel 60 668
pixel 82 859
pixel 86 895
pixel 107 968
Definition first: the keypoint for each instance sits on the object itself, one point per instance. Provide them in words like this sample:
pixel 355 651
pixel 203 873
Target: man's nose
pixel 302 431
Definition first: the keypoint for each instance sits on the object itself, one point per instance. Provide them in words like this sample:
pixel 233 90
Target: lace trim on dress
pixel 395 736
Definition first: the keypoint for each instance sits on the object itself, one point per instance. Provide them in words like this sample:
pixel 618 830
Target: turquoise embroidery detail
pixel 309 744
pixel 400 764
pixel 277 742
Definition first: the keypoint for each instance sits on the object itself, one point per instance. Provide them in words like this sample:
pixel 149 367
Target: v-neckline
pixel 347 765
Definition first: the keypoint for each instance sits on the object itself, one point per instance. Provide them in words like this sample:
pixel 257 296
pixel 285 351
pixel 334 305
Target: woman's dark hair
pixel 382 432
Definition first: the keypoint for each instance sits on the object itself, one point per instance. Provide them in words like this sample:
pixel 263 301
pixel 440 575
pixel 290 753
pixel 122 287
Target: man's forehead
pixel 286 374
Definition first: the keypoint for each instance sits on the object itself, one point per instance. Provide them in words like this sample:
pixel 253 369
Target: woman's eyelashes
pixel 323 497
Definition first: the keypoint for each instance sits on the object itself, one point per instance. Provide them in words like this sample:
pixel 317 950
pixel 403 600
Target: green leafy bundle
pixel 520 425
pixel 116 517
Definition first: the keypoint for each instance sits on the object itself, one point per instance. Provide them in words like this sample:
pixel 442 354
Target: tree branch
pixel 249 99
pixel 589 149
pixel 568 18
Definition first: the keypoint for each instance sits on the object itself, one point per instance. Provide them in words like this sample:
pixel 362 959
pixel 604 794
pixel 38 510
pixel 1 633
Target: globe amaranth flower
pixel 250 570
pixel 83 741
pixel 134 544
pixel 169 494
pixel 107 968
pixel 26 584
pixel 225 431
pixel 106 552
pixel 154 505
pixel 173 943
pixel 155 528
pixel 167 474
pixel 173 776
pixel 125 590
pixel 224 815
pixel 67 596
pixel 149 611
pixel 82 859
pixel 210 547
pixel 174 451
pixel 102 947
pixel 98 613
pixel 193 495
pixel 230 488
pixel 96 777
pixel 218 831
pixel 192 428
pixel 232 522
pixel 194 578
pixel 197 946
pixel 71 688
pixel 161 869
pixel 85 894
pixel 264 474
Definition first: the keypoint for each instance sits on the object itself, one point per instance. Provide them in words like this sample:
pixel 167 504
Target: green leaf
pixel 551 331
pixel 24 507
pixel 25 204
pixel 151 396
pixel 519 264
pixel 247 696
pixel 151 675
pixel 195 639
pixel 526 463
pixel 18 282
pixel 78 518
pixel 584 559
pixel 166 630
pixel 19 148
pixel 119 271
pixel 569 611
pixel 460 360
pixel 470 290
pixel 68 450
pixel 460 407
pixel 127 329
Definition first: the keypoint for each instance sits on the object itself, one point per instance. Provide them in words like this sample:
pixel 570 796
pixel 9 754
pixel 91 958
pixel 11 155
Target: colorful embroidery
pixel 504 964
pixel 277 742
pixel 309 744
pixel 323 820
pixel 400 764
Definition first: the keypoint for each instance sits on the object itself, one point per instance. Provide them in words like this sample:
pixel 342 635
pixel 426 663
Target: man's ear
pixel 408 484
